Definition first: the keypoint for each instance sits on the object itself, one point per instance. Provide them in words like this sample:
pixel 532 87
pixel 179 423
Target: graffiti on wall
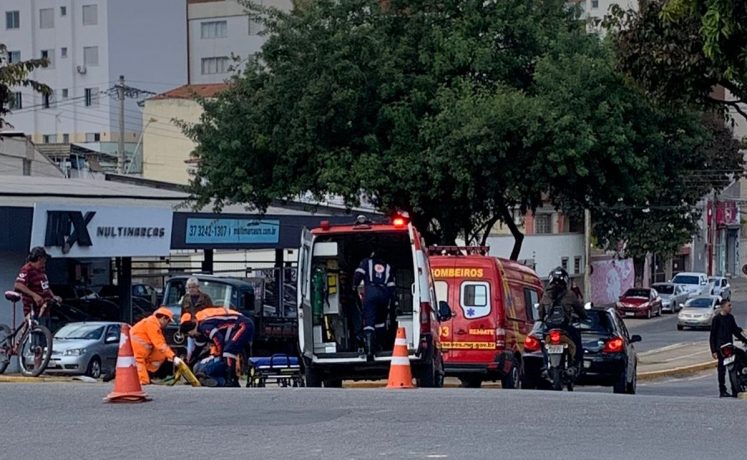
pixel 610 278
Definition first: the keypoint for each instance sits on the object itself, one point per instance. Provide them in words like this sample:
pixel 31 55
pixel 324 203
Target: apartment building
pixel 222 37
pixel 89 44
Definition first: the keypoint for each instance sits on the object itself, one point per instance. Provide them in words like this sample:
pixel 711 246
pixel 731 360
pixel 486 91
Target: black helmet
pixel 559 277
pixel 37 253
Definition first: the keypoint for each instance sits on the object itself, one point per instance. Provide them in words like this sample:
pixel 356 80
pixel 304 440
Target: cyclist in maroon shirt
pixel 32 282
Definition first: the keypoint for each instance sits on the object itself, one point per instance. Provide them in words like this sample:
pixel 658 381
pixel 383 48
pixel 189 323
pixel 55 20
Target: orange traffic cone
pixel 127 383
pixel 400 375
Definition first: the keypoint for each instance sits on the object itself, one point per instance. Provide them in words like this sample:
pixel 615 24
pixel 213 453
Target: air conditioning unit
pixel 82 69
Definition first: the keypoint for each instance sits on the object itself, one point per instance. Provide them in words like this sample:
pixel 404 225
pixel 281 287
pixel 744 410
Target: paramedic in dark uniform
pixel 377 277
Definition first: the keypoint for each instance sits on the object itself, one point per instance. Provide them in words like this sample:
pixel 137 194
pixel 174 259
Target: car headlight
pixel 75 352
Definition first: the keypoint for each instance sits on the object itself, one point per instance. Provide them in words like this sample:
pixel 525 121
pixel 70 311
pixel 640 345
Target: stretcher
pixel 281 369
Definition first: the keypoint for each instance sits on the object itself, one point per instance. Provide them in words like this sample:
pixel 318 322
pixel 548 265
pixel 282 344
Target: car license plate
pixel 629 313
pixel 587 364
pixel 555 349
pixel 729 360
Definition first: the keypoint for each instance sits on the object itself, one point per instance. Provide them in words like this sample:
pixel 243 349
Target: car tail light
pixel 614 345
pixel 425 318
pixel 500 338
pixel 727 351
pixel 531 343
pixel 555 336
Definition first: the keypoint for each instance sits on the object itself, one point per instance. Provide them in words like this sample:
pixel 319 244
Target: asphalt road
pixel 49 421
pixel 662 331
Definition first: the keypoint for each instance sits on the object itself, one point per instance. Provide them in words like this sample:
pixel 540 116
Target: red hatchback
pixel 639 303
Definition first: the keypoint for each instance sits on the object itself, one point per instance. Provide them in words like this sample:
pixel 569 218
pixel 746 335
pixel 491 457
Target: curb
pixel 23 379
pixel 677 371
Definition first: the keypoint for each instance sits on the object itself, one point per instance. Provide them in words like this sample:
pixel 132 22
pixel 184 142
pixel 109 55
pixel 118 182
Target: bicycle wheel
pixel 5 345
pixel 35 351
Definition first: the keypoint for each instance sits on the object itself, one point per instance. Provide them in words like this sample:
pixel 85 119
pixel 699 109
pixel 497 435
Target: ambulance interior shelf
pixel 336 307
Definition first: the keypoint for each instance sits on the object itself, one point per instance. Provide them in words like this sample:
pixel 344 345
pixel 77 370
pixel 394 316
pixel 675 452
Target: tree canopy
pixel 458 112
pixel 13 75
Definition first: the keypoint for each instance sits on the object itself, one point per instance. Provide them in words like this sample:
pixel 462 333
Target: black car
pixel 88 301
pixel 609 356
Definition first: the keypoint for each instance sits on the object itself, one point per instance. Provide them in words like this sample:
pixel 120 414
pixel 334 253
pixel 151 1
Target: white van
pixel 693 283
pixel 329 311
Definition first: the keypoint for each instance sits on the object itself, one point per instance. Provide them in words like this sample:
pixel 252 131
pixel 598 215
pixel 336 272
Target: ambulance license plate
pixel 729 360
pixel 555 349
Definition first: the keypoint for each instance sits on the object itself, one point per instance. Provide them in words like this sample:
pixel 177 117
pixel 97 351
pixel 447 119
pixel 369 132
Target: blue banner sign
pixel 232 231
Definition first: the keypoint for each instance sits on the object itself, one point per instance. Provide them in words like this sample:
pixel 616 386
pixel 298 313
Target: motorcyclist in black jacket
pixel 558 306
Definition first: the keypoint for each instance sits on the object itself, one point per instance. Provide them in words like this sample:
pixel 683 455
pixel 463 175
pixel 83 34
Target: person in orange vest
pixel 152 354
pixel 228 331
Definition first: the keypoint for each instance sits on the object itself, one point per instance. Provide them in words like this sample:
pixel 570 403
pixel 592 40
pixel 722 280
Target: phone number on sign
pixel 209 230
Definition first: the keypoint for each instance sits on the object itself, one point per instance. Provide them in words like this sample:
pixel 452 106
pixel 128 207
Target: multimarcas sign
pixel 102 231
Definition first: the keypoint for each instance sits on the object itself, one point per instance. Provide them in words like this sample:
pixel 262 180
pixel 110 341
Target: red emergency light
pixel 401 219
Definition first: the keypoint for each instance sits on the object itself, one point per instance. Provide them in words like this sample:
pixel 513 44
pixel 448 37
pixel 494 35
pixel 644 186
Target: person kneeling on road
pixel 152 354
pixel 557 308
pixel 228 331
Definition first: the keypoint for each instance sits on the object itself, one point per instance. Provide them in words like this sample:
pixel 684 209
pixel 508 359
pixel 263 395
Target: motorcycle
pixel 735 367
pixel 558 350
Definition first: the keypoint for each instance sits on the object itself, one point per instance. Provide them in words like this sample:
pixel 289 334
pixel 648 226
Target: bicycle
pixel 31 341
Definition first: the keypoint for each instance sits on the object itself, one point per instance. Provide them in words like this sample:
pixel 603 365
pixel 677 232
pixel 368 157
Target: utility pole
pixel 587 255
pixel 121 99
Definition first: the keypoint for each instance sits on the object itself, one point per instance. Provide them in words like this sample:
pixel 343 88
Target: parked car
pixel 640 302
pixel 87 300
pixel 85 348
pixel 673 296
pixel 699 312
pixel 693 283
pixel 610 358
pixel 721 287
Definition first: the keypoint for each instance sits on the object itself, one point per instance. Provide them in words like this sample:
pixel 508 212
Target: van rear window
pixel 475 299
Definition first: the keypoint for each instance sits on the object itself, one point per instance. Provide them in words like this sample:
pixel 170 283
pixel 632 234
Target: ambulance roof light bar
pixel 458 250
pixel 401 219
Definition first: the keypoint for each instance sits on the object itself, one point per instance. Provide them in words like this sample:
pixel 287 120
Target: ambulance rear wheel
pixel 512 380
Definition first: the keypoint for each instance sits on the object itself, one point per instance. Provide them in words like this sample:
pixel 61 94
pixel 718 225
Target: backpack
pixel 556 316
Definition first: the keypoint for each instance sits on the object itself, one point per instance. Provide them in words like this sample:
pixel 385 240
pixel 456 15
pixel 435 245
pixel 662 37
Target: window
pixel 49 139
pixel 577 265
pixel 26 167
pixel 595 3
pixel 14 56
pixel 214 65
pixel 564 263
pixel 531 298
pixel 66 138
pixel 63 52
pixel 46 18
pixel 214 29
pixel 49 56
pixel 16 101
pixel 91 97
pixel 255 27
pixel 64 93
pixel 542 224
pixel 475 299
pixel 93 137
pixel 90 15
pixel 12 19
pixel 63 11
pixel 518 308
pixel 442 291
pixel 47 100
pixel 91 55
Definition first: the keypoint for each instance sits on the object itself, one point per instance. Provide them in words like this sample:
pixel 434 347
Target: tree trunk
pixel 518 236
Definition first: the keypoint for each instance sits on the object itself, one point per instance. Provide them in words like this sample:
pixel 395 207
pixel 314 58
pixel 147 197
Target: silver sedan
pixel 698 312
pixel 85 348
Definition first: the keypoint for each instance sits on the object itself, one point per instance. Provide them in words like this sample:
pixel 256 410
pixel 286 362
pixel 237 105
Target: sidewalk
pixel 676 359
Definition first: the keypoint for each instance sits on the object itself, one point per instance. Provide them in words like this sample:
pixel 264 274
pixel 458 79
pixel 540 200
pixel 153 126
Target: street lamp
pixel 139 144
